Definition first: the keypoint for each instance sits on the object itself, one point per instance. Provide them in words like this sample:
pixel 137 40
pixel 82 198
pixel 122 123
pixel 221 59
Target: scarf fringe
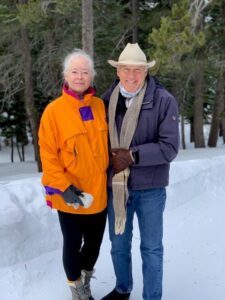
pixel 120 225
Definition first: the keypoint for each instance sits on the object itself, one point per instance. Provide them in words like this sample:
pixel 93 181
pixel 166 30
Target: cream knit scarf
pixel 119 181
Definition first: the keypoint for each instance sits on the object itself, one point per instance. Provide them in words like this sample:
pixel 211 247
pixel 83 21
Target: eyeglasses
pixel 78 72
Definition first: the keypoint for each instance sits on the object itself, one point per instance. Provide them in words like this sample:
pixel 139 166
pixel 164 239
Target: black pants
pixel 82 238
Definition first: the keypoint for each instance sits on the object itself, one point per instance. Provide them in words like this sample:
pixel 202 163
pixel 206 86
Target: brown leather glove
pixel 121 159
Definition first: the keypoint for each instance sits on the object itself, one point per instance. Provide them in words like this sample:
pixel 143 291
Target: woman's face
pixel 78 75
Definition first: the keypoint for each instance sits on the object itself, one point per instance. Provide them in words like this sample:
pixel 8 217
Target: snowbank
pixel 30 252
pixel 27 226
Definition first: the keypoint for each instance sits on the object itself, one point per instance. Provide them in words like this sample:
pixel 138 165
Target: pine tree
pixel 178 47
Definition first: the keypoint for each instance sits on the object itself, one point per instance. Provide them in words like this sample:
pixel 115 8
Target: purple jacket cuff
pixel 51 191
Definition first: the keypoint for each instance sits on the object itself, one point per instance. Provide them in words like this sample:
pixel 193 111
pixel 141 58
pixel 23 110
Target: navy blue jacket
pixel 156 137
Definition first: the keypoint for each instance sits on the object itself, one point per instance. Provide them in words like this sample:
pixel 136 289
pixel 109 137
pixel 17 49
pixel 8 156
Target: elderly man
pixel 144 139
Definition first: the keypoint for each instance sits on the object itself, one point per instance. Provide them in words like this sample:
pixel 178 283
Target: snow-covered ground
pixel 194 264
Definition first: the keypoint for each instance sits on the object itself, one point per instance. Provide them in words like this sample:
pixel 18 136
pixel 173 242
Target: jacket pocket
pixel 77 157
pixel 67 152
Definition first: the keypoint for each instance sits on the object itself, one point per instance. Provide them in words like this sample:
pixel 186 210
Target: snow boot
pixel 114 295
pixel 86 277
pixel 78 291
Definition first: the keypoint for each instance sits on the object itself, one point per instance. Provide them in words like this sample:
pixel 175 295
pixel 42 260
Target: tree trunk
pixel 183 133
pixel 135 9
pixel 18 151
pixel 87 27
pixel 28 92
pixel 198 106
pixel 192 138
pixel 223 130
pixel 182 104
pixel 23 153
pixel 217 111
pixel 182 120
pixel 12 150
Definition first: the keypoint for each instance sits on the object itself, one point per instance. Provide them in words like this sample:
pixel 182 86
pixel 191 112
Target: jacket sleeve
pixel 165 149
pixel 53 171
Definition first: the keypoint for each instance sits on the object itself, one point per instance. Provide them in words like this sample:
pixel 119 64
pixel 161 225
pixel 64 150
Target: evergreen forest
pixel 185 37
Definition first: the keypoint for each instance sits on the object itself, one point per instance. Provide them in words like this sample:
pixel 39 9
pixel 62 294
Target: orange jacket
pixel 74 151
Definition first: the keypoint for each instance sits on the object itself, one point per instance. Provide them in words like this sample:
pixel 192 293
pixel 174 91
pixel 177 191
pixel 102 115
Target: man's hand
pixel 121 159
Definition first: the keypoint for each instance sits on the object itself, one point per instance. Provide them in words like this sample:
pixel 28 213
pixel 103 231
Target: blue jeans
pixel 149 206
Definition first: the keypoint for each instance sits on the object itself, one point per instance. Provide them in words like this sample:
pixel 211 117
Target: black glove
pixel 75 197
pixel 121 159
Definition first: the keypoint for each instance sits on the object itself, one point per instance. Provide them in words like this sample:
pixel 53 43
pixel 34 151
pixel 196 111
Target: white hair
pixel 75 54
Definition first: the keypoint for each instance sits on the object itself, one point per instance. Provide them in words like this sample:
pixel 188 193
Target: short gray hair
pixel 75 54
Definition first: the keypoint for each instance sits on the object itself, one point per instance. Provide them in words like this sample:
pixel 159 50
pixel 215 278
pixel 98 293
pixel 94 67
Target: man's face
pixel 131 77
pixel 78 75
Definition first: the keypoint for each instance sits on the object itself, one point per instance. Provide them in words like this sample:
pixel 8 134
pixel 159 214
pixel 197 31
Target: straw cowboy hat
pixel 132 55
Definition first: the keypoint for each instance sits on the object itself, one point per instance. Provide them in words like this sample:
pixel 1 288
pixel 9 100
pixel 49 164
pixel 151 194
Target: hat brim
pixel 115 64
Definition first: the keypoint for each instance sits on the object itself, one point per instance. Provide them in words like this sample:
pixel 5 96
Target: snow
pixel 194 265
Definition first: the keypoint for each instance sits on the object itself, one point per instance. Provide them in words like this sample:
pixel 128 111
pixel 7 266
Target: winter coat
pixel 156 139
pixel 74 150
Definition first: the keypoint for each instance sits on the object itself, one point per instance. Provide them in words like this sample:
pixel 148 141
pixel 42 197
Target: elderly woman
pixel 74 155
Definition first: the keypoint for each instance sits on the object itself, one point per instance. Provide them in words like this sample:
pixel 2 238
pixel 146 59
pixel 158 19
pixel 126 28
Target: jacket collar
pixel 75 100
pixel 149 94
pixel 90 90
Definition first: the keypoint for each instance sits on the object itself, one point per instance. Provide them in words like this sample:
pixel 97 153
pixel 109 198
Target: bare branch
pixel 196 9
